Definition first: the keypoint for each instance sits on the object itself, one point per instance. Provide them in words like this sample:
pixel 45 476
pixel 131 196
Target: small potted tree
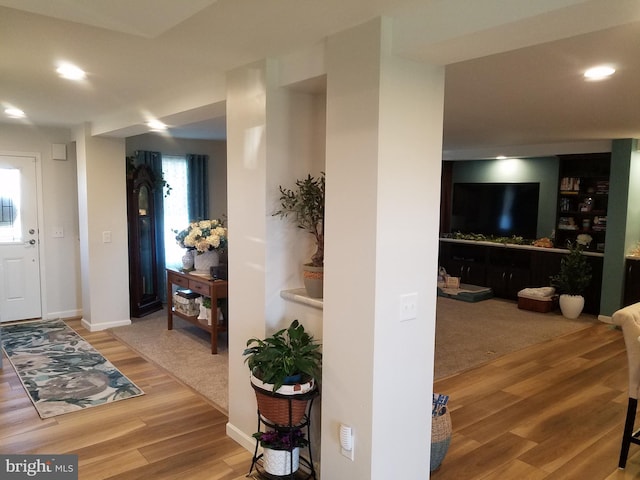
pixel 285 364
pixel 572 280
pixel 305 204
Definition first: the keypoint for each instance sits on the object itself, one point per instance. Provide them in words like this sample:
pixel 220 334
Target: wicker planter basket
pixel 286 406
pixel 440 438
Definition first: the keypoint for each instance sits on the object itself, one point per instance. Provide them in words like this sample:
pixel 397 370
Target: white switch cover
pixel 106 237
pixel 408 306
pixel 58 232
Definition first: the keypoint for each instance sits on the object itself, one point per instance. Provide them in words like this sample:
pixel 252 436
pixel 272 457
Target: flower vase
pixel 279 462
pixel 187 260
pixel 205 260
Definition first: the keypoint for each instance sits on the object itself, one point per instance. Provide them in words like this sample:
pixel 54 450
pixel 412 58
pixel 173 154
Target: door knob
pixel 32 242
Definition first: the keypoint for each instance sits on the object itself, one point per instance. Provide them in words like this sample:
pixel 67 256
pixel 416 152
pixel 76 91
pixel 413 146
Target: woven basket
pixel 276 408
pixel 440 438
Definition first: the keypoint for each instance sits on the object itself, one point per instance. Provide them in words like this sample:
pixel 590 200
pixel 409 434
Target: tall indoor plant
pixel 572 280
pixel 305 203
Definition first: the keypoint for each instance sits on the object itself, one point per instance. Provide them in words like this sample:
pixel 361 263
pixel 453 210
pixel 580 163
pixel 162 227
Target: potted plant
pixel 305 204
pixel 572 280
pixel 281 450
pixel 285 364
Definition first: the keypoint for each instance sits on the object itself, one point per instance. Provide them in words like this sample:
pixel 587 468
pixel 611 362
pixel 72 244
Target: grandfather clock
pixel 144 291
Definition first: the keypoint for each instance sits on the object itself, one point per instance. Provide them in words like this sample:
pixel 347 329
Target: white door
pixel 19 257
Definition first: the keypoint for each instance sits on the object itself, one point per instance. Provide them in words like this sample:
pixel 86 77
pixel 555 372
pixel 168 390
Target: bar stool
pixel 629 319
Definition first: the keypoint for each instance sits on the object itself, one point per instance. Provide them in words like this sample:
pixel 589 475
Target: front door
pixel 19 242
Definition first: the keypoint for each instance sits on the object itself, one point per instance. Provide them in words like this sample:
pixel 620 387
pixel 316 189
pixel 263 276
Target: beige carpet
pixel 469 334
pixel 185 352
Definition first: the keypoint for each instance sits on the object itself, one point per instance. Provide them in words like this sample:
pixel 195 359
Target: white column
pixel 384 147
pixel 104 251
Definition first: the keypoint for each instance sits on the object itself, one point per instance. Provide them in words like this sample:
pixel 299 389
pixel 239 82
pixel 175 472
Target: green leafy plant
pixel 305 204
pixel 575 272
pixel 286 353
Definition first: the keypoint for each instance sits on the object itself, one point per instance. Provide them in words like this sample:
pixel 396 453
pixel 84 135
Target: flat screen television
pixel 499 209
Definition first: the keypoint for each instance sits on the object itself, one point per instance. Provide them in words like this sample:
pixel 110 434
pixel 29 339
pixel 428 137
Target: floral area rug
pixel 60 370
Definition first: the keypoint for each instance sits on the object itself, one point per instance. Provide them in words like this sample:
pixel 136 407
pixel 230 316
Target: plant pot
pixel 571 305
pixel 287 405
pixel 205 260
pixel 280 462
pixel 440 438
pixel 313 280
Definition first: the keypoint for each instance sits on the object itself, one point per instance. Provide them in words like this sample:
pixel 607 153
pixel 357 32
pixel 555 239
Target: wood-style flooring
pixel 170 432
pixel 551 411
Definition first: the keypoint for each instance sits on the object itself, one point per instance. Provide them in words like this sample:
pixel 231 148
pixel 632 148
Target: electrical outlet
pixel 58 232
pixel 106 237
pixel 408 306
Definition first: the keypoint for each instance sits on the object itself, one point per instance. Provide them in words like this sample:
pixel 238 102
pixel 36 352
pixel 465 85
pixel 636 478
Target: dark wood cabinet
pixel 509 269
pixel 632 281
pixel 144 287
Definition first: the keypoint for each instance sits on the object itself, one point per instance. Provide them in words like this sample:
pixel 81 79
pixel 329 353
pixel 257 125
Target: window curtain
pixel 154 161
pixel 198 186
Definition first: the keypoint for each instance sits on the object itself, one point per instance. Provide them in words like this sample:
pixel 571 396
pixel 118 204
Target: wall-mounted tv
pixel 499 209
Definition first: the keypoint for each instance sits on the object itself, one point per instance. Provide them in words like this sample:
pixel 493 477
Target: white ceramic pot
pixel 187 260
pixel 280 462
pixel 571 305
pixel 205 260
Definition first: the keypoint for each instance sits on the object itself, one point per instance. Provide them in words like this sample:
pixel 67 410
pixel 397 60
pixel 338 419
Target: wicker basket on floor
pixel 440 438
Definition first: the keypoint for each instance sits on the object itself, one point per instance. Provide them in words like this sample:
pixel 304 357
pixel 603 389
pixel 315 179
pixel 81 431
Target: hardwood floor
pixel 551 411
pixel 170 432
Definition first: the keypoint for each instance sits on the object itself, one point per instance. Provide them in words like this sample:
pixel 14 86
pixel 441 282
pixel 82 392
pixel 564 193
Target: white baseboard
pixel 94 327
pixel 605 318
pixel 246 441
pixel 63 314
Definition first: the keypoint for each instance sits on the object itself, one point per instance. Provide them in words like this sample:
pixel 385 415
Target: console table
pixel 204 285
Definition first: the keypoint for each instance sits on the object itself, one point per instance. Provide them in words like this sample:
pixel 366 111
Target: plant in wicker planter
pixel 286 363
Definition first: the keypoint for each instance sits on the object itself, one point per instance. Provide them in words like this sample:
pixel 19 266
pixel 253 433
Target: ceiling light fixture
pixel 501 157
pixel 70 72
pixel 599 73
pixel 14 112
pixel 156 126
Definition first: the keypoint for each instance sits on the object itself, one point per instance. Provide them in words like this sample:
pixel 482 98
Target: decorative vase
pixel 313 280
pixel 571 305
pixel 280 462
pixel 205 260
pixel 187 260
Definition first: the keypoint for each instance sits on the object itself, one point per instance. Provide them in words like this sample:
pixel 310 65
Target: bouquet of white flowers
pixel 203 236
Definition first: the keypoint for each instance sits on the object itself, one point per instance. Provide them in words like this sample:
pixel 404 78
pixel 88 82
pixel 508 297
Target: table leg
pixel 214 320
pixel 169 305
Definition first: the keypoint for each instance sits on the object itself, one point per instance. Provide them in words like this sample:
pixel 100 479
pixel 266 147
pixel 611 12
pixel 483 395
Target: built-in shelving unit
pixel 583 197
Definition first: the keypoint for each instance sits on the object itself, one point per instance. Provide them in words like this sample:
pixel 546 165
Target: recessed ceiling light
pixel 156 125
pixel 600 72
pixel 501 157
pixel 14 112
pixel 70 72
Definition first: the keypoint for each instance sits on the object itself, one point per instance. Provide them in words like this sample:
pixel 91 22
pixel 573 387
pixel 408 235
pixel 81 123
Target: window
pixel 176 210
pixel 10 225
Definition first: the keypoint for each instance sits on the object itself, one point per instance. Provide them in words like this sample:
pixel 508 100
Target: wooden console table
pixel 206 286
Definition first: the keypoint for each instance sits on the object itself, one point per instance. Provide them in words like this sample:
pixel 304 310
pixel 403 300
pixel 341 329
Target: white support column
pixel 104 250
pixel 384 150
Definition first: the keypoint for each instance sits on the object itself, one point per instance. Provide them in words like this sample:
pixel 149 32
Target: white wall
pixel 217 151
pixel 61 261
